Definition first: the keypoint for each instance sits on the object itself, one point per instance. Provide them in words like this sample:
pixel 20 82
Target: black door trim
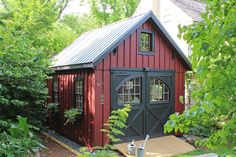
pixel 120 75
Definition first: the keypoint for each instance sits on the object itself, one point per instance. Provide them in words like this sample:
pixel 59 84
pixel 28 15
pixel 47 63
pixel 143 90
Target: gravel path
pixel 64 140
pixel 54 149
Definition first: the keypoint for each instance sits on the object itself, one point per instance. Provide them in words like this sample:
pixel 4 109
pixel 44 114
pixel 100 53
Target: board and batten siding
pixel 82 131
pixel 127 56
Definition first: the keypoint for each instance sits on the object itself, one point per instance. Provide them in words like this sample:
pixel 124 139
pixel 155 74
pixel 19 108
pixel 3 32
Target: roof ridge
pixel 113 23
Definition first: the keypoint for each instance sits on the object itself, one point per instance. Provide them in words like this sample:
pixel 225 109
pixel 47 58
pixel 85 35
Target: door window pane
pixel 130 92
pixel 158 90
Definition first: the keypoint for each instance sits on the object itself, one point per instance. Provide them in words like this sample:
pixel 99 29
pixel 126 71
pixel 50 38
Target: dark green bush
pixel 19 141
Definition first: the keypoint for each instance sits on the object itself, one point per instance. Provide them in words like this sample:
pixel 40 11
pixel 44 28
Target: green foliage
pixel 213 41
pixel 19 141
pixel 80 23
pixel 116 124
pixel 72 115
pixel 31 35
pixel 53 107
pixel 110 11
pixel 97 153
pixel 181 99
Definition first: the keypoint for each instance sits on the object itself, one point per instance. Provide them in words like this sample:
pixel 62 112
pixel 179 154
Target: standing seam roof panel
pixel 90 45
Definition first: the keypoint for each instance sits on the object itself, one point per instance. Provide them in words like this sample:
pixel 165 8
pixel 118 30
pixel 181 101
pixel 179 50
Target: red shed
pixel 133 61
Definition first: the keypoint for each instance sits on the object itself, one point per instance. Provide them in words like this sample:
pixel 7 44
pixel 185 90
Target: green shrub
pixel 116 124
pixel 53 107
pixel 72 115
pixel 19 141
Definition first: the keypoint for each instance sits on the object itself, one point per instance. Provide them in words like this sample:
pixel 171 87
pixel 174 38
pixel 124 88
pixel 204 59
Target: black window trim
pixel 169 90
pixel 125 80
pixel 153 39
pixel 79 78
pixel 55 78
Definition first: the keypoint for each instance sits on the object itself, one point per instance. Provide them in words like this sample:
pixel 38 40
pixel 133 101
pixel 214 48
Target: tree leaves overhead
pixel 213 41
pixel 107 11
pixel 30 36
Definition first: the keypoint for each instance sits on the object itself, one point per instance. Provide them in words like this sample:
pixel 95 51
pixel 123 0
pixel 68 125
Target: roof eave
pixel 75 66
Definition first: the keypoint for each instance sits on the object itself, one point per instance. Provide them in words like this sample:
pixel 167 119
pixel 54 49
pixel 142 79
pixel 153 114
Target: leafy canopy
pixel 31 34
pixel 213 41
pixel 107 11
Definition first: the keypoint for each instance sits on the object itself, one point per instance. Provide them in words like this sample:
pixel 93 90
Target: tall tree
pixel 107 11
pixel 213 42
pixel 30 38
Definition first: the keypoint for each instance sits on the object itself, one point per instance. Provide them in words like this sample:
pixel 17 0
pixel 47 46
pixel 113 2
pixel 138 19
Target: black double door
pixel 151 95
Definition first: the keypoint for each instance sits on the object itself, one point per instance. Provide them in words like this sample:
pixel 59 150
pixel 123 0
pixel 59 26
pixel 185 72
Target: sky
pixel 74 6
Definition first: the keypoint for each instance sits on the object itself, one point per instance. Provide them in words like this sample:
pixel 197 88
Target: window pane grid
pixel 55 91
pixel 129 92
pixel 145 41
pixel 158 90
pixel 79 94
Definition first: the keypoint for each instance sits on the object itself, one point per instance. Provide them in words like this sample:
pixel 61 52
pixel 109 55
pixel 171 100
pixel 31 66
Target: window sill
pixel 148 53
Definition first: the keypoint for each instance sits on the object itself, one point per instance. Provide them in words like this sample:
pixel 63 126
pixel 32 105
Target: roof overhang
pixel 71 67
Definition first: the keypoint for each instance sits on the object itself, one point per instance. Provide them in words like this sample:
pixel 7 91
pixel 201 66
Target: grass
pixel 225 152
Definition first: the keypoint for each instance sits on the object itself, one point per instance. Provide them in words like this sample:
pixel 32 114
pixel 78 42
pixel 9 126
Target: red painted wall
pixel 128 57
pixel 83 130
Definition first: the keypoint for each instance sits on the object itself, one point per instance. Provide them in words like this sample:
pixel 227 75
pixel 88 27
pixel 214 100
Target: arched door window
pixel 159 92
pixel 130 91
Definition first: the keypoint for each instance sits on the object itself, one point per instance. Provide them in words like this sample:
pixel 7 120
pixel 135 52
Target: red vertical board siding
pixel 157 51
pixel 86 115
pixel 145 61
pixel 113 57
pixel 80 130
pixel 138 56
pixel 167 57
pixel 106 105
pixel 88 108
pixel 127 52
pixel 98 107
pixel 120 58
pixel 133 50
pixel 92 109
pixel 162 54
pixel 107 62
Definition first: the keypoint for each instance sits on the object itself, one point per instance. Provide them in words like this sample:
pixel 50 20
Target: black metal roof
pixel 93 46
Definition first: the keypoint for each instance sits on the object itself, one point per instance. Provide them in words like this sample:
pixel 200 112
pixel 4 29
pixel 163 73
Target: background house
pixel 172 13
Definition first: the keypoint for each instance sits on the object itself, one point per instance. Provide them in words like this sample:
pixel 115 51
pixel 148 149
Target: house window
pixel 79 93
pixel 159 92
pixel 146 42
pixel 130 91
pixel 55 90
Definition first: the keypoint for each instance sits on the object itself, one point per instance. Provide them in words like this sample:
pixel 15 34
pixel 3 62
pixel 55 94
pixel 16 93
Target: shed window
pixel 79 93
pixel 55 90
pixel 130 91
pixel 146 42
pixel 158 90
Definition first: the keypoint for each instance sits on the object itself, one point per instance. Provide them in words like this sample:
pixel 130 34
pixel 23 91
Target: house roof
pixel 190 7
pixel 91 47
